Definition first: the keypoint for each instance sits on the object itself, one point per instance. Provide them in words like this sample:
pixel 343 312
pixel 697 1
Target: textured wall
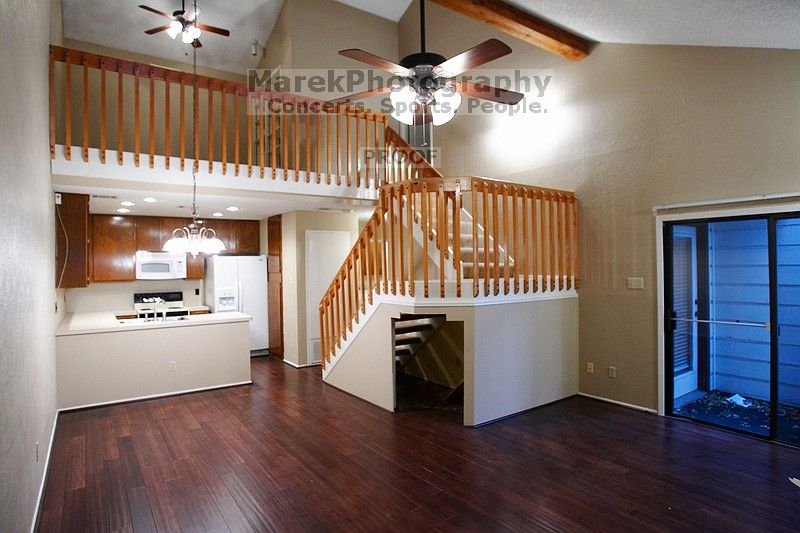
pixel 27 277
pixel 630 127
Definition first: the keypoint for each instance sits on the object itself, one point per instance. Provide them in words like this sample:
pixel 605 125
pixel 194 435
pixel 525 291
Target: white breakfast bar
pixel 102 360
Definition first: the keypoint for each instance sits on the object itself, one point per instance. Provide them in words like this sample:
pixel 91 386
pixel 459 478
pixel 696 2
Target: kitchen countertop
pixel 190 308
pixel 106 322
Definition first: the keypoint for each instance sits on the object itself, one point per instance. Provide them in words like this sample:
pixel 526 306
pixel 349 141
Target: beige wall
pixel 118 296
pixel 630 127
pixel 27 277
pixel 293 230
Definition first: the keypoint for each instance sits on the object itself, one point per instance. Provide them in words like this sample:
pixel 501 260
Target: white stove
pixel 170 304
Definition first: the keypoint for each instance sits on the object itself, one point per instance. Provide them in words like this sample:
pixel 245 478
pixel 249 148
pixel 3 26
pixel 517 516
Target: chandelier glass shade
pixel 194 239
pixel 407 104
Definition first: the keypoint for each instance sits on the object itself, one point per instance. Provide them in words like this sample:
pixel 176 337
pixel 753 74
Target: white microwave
pixel 160 265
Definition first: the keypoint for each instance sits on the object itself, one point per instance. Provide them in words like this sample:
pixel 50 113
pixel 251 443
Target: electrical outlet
pixel 197 292
pixel 636 284
pixel 172 366
pixel 590 368
pixel 612 372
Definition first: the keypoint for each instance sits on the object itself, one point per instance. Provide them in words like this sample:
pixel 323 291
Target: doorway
pixel 732 323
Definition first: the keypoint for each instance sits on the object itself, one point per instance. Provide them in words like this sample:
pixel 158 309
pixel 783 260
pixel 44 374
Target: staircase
pixel 411 332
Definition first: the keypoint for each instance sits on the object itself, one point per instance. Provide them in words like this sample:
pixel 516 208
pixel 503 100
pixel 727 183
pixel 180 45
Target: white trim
pixel 152 396
pixel 622 404
pixel 728 201
pixel 660 312
pixel 290 363
pixel 39 499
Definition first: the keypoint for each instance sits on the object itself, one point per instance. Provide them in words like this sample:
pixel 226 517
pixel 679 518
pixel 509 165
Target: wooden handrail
pixel 519 238
pixel 361 151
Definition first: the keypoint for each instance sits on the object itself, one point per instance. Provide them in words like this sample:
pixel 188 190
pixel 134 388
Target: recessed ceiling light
pixel 123 210
pixel 149 200
pixel 217 214
pixel 127 204
pixel 232 209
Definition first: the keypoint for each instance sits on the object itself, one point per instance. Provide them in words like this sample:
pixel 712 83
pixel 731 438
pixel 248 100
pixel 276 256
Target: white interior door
pixel 325 253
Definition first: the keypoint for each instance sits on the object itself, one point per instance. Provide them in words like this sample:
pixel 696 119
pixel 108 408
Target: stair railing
pixel 103 103
pixel 521 239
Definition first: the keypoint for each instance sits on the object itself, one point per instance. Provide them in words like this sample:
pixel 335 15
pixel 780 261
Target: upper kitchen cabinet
pixel 113 248
pixel 72 246
pixel 240 236
pixel 151 233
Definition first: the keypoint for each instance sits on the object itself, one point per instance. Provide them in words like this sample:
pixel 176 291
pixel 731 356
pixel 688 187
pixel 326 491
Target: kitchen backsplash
pixel 119 296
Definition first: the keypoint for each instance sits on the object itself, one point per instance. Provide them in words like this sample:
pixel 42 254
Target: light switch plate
pixel 636 283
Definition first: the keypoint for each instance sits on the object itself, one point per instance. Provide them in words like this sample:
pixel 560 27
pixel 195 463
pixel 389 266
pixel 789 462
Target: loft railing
pixel 518 239
pixel 104 103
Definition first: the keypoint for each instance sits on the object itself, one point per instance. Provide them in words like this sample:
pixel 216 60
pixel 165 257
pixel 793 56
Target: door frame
pixel 773 212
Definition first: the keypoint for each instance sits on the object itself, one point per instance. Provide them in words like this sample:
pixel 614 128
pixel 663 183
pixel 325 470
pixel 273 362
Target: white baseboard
pixel 40 496
pixel 616 402
pixel 152 396
pixel 290 363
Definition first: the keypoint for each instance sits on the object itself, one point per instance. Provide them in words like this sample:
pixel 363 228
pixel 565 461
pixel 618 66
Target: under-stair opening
pixel 429 363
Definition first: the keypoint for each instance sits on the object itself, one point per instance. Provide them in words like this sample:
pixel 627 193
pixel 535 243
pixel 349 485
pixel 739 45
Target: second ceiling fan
pixel 431 92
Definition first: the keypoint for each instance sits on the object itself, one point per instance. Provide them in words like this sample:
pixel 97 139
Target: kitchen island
pixel 102 360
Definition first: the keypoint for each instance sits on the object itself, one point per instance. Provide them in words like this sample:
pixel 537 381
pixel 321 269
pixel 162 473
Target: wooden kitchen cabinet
pixel 72 241
pixel 151 233
pixel 113 248
pixel 241 237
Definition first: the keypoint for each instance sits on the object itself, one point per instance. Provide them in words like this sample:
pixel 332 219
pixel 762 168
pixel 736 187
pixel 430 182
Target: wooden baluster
pixel 537 223
pixel 375 259
pixel 167 122
pixel 368 250
pixel 367 151
pixel 152 120
pixel 137 126
pixel 307 112
pixel 496 237
pixel 318 126
pixel 322 331
pixel 457 239
pixel 410 217
pixel 552 241
pixel 561 241
pixel 507 242
pixel 357 282
pixel 120 116
pixel 51 91
pixel 401 241
pixel 543 211
pixel 391 243
pixel 523 197
pixel 363 265
pixel 441 215
pixel 273 136
pixel 487 271
pixel 223 129
pixel 68 107
pixel 351 309
pixel 424 226
pixel 570 238
pixel 378 156
pixel 285 140
pixel 103 128
pixel 342 324
pixel 576 255
pixel 475 263
pixel 357 158
pixel 250 111
pixel 347 151
pixel 515 270
pixel 182 121
pixel 85 116
pixel 262 135
pixel 328 147
pixel 296 140
pixel 235 131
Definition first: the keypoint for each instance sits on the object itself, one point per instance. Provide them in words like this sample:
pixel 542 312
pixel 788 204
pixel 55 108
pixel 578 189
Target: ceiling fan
pixel 185 24
pixel 431 92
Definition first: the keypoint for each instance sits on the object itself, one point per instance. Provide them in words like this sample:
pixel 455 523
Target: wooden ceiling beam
pixel 522 25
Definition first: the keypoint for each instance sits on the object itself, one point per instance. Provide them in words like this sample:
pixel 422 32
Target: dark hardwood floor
pixel 292 454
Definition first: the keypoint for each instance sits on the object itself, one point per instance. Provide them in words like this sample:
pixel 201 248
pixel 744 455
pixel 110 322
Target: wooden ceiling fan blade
pixel 375 61
pixel 197 44
pixel 213 29
pixel 487 92
pixel 152 31
pixel 359 96
pixel 472 58
pixel 156 11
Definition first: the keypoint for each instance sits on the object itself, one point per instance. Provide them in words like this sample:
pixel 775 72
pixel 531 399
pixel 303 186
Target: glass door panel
pixel 787 237
pixel 720 308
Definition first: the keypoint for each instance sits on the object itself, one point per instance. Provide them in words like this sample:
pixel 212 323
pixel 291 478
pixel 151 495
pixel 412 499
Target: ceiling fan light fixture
pixel 447 102
pixel 175 27
pixel 403 104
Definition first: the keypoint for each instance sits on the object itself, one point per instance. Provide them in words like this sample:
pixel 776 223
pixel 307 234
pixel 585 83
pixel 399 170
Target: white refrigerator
pixel 239 283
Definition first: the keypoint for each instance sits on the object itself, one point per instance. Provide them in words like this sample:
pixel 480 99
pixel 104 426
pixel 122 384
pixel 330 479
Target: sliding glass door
pixel 732 322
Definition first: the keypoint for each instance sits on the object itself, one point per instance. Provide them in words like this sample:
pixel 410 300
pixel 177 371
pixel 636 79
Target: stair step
pixel 407 341
pixel 412 328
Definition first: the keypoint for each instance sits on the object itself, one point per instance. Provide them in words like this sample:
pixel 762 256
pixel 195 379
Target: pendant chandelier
pixel 194 238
